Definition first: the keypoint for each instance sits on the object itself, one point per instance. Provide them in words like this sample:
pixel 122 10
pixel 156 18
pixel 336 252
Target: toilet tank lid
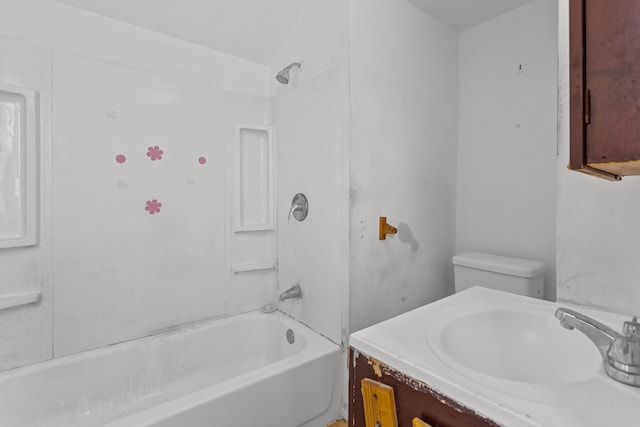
pixel 500 264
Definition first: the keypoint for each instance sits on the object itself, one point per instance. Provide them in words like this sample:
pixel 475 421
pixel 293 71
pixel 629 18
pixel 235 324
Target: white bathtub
pixel 238 371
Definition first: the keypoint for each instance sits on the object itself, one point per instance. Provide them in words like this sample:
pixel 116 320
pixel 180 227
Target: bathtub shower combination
pixel 250 369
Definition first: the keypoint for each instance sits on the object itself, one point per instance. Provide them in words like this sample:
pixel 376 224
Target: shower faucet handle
pixel 299 207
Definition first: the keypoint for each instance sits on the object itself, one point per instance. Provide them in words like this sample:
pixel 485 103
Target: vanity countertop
pixel 562 384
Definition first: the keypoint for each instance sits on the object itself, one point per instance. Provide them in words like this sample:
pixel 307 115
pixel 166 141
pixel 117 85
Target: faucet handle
pixel 624 354
pixel 299 207
pixel 631 328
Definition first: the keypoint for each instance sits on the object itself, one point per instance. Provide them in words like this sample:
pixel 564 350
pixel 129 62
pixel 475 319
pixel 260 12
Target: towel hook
pixel 385 228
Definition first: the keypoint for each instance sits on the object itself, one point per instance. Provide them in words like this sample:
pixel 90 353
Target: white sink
pixel 523 344
pixel 506 357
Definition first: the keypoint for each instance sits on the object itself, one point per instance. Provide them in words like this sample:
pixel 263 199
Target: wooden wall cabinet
pixel 415 402
pixel 604 40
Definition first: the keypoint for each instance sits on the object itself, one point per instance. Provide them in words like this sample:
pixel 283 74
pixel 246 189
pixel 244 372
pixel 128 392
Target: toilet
pixel 514 275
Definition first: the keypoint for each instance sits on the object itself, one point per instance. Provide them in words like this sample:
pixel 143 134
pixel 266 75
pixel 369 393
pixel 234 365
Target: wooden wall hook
pixel 385 228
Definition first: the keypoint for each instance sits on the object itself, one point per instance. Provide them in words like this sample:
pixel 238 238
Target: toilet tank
pixel 514 275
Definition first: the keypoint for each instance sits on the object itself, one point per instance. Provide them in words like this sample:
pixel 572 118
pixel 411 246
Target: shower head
pixel 283 75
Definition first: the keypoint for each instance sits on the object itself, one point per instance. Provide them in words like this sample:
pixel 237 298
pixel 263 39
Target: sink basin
pixel 520 344
pixel 505 356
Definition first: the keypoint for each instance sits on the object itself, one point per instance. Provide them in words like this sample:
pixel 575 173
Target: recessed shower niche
pixel 254 163
pixel 18 166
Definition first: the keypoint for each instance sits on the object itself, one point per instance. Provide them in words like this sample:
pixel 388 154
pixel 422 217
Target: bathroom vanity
pixel 488 358
pixel 415 399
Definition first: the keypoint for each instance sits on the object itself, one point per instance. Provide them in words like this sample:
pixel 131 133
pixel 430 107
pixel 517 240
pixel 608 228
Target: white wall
pixel 404 106
pixel 311 115
pixel 597 220
pixel 507 141
pixel 113 272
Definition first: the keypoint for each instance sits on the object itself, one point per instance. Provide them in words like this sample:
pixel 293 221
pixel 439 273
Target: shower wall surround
pixel 312 118
pixel 19 128
pixel 25 332
pixel 249 289
pixel 146 235
pixel 136 173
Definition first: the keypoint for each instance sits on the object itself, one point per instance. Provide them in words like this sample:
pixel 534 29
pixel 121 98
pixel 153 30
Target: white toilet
pixel 515 275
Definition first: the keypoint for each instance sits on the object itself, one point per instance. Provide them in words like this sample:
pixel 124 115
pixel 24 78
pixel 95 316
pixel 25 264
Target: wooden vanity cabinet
pixel 604 40
pixel 413 399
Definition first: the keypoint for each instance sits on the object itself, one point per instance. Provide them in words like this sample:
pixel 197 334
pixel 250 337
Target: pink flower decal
pixel 153 206
pixel 120 158
pixel 202 160
pixel 155 153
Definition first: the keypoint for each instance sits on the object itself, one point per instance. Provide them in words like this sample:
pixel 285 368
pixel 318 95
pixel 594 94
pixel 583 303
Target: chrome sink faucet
pixel 293 292
pixel 620 352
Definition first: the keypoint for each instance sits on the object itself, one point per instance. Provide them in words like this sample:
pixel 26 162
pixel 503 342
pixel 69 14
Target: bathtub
pixel 238 371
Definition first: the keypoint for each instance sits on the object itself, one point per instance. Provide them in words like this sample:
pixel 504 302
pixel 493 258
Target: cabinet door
pixel 416 404
pixel 605 87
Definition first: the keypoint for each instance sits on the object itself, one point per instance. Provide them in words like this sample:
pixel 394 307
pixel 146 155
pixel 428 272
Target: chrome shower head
pixel 283 75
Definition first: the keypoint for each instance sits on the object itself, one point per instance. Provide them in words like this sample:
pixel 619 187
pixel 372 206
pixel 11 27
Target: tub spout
pixel 293 292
